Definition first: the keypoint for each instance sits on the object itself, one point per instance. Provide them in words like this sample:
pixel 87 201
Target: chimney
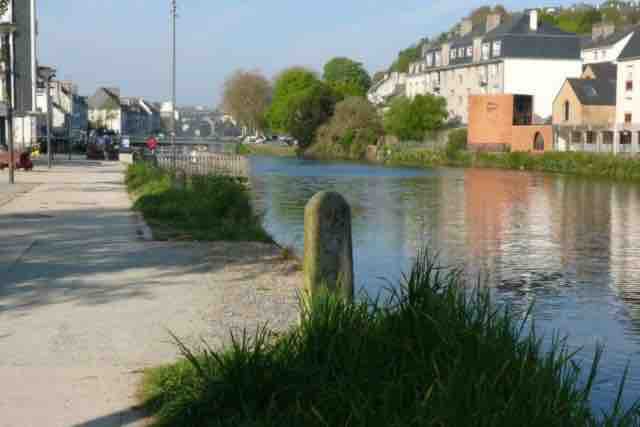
pixel 533 20
pixel 602 30
pixel 466 26
pixel 493 21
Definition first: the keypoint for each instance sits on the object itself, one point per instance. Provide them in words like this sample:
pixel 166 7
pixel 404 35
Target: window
pixel 438 59
pixel 453 54
pixel 469 51
pixel 628 118
pixel 461 52
pixel 595 55
pixel 576 137
pixel 429 60
pixel 497 48
pixel 629 86
pixel 538 142
pixel 567 111
pixel 485 51
pixel 625 138
pixel 591 137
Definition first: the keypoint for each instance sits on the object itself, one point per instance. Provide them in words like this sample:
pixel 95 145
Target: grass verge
pixel 209 208
pixel 433 355
pixel 267 150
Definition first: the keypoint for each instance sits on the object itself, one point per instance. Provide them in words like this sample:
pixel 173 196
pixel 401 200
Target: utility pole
pixel 174 15
pixel 6 40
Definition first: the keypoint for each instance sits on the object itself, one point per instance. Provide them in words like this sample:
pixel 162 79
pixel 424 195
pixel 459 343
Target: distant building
pixel 606 44
pixel 628 95
pixel 392 84
pixel 106 111
pixel 511 57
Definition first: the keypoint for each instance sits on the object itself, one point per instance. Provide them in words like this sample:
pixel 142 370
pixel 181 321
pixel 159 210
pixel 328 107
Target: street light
pixel 174 15
pixel 48 74
pixel 6 30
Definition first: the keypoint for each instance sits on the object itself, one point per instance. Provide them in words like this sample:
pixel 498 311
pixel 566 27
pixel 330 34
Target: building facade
pixel 22 53
pixel 499 57
pixel 606 44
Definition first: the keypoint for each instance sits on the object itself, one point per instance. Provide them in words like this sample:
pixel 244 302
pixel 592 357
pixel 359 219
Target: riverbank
pixel 266 150
pixel 208 208
pixel 441 363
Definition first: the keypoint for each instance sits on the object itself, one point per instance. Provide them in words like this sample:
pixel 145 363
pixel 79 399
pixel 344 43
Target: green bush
pixel 457 143
pixel 210 208
pixel 435 354
pixel 411 119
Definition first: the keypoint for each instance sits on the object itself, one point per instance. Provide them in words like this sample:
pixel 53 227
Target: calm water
pixel 571 245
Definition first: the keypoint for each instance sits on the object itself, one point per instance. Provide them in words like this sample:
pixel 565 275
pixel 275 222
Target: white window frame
pixel 469 51
pixel 461 52
pixel 486 51
pixel 429 60
pixel 453 54
pixel 497 48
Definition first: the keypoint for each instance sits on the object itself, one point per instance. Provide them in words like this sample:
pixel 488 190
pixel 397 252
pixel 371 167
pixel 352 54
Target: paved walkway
pixel 86 303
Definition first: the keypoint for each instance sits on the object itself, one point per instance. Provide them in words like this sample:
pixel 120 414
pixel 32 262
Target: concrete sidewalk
pixel 85 301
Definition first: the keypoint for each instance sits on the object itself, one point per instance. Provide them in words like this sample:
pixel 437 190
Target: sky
pixel 126 43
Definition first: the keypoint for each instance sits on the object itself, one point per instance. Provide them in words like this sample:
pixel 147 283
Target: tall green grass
pixel 432 355
pixel 209 208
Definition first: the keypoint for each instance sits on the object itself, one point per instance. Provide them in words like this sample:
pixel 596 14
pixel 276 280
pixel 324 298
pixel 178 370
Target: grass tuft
pixel 210 208
pixel 434 354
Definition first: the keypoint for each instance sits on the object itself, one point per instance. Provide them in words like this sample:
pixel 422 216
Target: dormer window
pixel 461 52
pixel 469 51
pixel 453 54
pixel 438 59
pixel 497 48
pixel 429 60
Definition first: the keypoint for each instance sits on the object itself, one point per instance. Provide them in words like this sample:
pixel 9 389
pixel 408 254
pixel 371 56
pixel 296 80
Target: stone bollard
pixel 328 249
pixel 180 180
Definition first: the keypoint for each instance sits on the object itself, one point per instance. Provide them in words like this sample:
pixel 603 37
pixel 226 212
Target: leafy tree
pixel 347 76
pixel 412 119
pixel 479 15
pixel 354 126
pixel 407 56
pixel 307 110
pixel 246 97
pixel 287 86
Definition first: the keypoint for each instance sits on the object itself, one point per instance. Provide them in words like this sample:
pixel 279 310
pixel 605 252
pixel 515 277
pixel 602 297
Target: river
pixel 571 245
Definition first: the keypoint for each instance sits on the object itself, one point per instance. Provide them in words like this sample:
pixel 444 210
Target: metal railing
pixel 203 163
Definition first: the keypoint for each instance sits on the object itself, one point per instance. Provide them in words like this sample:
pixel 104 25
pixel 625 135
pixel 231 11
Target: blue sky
pixel 125 43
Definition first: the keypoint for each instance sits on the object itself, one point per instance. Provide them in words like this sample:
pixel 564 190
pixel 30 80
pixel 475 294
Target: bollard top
pixel 327 199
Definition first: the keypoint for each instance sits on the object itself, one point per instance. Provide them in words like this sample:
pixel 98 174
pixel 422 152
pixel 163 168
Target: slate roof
pixel 598 92
pixel 610 40
pixel 519 41
pixel 604 70
pixel 632 49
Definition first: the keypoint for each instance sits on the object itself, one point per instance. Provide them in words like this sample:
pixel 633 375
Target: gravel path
pixel 86 302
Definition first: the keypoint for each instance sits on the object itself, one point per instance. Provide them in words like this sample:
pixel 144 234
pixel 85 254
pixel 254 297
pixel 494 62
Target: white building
pixel 628 95
pixel 522 56
pixel 391 84
pixel 22 51
pixel 606 44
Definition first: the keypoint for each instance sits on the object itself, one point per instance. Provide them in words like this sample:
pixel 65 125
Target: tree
pixel 412 119
pixel 288 84
pixel 479 15
pixel 246 97
pixel 346 76
pixel 407 56
pixel 301 103
pixel 354 126
pixel 307 110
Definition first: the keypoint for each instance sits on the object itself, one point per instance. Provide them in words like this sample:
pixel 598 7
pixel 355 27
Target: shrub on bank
pixel 433 355
pixel 354 126
pixel 209 208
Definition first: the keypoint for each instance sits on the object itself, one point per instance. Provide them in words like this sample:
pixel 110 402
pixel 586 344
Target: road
pixel 86 302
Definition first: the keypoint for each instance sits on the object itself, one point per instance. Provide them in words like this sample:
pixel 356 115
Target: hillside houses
pixel 511 57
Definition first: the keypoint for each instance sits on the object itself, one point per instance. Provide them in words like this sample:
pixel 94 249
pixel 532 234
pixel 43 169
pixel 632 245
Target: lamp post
pixel 6 30
pixel 48 74
pixel 174 15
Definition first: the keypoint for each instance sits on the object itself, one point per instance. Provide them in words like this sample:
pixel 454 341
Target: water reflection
pixel 571 245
